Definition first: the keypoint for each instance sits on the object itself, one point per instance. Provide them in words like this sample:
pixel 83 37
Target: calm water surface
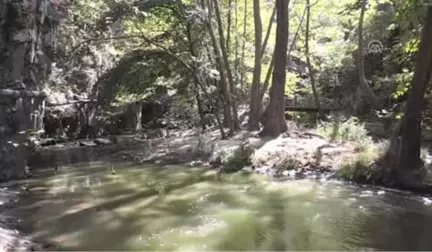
pixel 174 208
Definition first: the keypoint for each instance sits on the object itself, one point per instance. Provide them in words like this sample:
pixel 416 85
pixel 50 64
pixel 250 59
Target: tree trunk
pixel 236 60
pixel 275 112
pixel 308 61
pixel 243 73
pixel 220 66
pixel 267 78
pixel 270 70
pixel 367 91
pixel 198 84
pixel 235 125
pixel 254 111
pixel 267 36
pixel 404 154
pixel 228 37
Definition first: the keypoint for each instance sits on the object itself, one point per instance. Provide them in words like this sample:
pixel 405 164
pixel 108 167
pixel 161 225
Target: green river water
pixel 173 208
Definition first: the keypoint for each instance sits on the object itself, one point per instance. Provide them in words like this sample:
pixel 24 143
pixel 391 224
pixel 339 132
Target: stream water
pixel 86 207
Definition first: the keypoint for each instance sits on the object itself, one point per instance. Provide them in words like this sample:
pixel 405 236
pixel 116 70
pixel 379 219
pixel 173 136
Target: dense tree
pixel 404 153
pixel 254 103
pixel 275 111
pixel 234 125
pixel 114 55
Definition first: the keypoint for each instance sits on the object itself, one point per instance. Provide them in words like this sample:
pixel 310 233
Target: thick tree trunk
pixel 308 61
pixel 367 91
pixel 254 110
pixel 270 70
pixel 232 89
pixel 404 154
pixel 275 112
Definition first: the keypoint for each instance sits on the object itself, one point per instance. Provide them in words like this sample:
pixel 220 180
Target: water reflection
pixel 177 208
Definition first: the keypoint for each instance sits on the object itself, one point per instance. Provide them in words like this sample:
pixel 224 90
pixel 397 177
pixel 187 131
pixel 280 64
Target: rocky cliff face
pixel 28 40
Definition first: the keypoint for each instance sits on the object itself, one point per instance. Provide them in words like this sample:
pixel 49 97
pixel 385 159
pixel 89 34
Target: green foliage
pixel 89 11
pixel 165 28
pixel 290 85
pixel 412 46
pixel 403 81
pixel 126 98
pixel 360 167
pixel 340 130
pixel 240 158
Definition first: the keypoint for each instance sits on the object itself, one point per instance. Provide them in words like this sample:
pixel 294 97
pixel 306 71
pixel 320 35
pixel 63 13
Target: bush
pixel 339 130
pixel 238 159
pixel 349 130
pixel 360 167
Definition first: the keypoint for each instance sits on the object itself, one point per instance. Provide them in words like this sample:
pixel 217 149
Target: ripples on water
pixel 177 208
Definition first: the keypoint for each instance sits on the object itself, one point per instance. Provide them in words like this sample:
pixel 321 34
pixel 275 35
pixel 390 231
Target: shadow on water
pixel 173 208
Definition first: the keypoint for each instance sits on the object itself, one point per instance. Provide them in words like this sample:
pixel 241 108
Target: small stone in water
pixel 381 192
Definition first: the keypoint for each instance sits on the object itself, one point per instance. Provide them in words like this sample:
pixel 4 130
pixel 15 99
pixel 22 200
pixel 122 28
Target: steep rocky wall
pixel 28 38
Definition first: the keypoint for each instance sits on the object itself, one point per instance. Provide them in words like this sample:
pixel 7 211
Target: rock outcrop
pixel 28 40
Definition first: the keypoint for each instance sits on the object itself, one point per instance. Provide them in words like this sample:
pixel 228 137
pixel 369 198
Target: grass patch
pixel 360 166
pixel 343 130
pixel 279 160
pixel 349 130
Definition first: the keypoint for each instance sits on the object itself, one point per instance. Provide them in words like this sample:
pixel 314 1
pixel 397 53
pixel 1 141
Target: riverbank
pixel 294 155
pixel 349 155
pixel 11 236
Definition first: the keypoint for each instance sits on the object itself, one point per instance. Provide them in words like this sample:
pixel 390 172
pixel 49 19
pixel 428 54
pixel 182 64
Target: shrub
pixel 238 159
pixel 360 167
pixel 349 130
